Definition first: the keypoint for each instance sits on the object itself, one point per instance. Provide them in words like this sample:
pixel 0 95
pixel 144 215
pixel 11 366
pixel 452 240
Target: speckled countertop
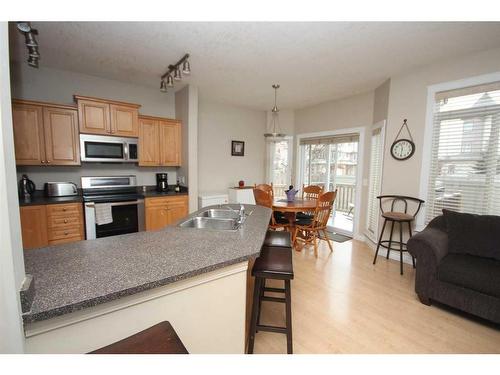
pixel 74 276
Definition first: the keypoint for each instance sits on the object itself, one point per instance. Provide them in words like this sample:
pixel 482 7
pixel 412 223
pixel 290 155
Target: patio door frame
pixel 299 168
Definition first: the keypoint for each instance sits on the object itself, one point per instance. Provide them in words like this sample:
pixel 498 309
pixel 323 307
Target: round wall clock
pixel 403 148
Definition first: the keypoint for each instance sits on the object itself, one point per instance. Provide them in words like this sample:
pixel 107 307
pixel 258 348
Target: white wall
pixel 351 112
pixel 11 252
pixel 408 99
pixel 219 124
pixel 186 109
pixel 59 86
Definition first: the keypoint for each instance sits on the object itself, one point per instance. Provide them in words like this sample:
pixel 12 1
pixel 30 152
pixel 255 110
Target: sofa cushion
pixel 473 234
pixel 472 272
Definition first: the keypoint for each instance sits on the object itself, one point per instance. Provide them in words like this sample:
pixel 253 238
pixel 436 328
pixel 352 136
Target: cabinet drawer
pixel 64 221
pixel 57 234
pixel 160 201
pixel 70 209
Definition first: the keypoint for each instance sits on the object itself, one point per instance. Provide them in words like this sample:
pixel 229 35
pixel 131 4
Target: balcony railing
pixel 346 194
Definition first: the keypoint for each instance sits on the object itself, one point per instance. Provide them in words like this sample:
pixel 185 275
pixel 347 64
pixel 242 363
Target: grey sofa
pixel 451 271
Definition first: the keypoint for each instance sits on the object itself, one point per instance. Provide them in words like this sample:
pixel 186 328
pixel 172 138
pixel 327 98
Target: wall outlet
pixel 182 180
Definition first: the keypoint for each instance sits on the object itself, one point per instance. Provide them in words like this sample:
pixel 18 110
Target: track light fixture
pixel 176 70
pixel 31 43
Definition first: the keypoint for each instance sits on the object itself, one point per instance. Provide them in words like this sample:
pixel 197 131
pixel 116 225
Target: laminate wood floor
pixel 341 303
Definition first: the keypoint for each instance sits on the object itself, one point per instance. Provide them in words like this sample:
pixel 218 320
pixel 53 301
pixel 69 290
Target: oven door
pixel 96 148
pixel 128 217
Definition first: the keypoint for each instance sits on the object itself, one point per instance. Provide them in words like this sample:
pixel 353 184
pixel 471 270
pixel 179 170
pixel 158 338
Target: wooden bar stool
pixel 158 339
pixel 393 217
pixel 273 263
pixel 278 239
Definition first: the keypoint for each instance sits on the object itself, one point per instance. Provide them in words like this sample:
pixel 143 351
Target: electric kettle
pixel 26 187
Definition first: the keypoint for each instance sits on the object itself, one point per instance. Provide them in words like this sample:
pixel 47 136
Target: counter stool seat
pixel 158 339
pixel 397 216
pixel 278 239
pixel 273 263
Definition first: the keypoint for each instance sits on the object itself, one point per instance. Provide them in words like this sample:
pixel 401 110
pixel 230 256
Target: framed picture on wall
pixel 237 148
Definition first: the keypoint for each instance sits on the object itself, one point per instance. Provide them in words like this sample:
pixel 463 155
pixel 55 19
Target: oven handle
pixel 113 204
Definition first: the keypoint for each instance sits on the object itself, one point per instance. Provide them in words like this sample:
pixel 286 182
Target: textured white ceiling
pixel 238 62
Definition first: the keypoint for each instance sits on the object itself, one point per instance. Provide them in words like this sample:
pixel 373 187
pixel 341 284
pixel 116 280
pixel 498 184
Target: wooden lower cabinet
pixel 163 211
pixel 51 224
pixel 34 226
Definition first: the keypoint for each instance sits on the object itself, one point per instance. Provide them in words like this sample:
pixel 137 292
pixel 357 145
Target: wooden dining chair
pixel 266 187
pixel 311 191
pixel 311 232
pixel 264 198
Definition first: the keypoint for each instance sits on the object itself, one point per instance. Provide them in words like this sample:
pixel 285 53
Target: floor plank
pixel 341 303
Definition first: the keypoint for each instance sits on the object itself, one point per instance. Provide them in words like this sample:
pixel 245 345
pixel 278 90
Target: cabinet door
pixel 94 117
pixel 156 217
pixel 61 136
pixel 34 226
pixel 149 142
pixel 124 121
pixel 170 143
pixel 177 209
pixel 29 145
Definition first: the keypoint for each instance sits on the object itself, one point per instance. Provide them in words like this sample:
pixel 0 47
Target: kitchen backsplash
pixel 145 175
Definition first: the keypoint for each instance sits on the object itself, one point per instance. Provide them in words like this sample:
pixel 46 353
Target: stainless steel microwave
pixel 102 149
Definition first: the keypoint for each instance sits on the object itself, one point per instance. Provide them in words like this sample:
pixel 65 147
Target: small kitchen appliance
pixel 162 182
pixel 60 189
pixel 26 187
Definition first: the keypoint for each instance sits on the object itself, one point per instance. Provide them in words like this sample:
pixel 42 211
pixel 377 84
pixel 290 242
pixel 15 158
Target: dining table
pixel 290 209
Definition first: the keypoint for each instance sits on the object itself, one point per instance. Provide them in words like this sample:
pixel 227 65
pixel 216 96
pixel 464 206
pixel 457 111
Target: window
pixel 375 181
pixel 465 156
pixel 280 164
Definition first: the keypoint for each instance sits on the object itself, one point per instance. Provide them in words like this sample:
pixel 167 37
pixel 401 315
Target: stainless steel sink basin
pixel 219 213
pixel 210 223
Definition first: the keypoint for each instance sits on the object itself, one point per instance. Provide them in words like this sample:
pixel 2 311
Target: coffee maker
pixel 162 182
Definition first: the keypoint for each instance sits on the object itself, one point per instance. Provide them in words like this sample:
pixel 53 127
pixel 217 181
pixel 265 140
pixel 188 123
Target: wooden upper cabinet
pixel 28 134
pixel 160 142
pixel 149 145
pixel 94 117
pixel 107 117
pixel 34 227
pixel 61 136
pixel 170 143
pixel 124 121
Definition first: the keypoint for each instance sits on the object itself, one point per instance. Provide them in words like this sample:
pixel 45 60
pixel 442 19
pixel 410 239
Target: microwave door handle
pixel 125 150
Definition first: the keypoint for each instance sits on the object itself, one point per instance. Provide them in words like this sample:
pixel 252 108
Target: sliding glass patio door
pixel 332 163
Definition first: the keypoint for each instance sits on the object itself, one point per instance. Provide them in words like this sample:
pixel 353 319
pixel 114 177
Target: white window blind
pixel 465 157
pixel 375 181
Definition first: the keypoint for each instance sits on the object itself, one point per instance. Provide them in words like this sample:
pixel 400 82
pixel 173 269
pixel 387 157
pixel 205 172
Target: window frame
pixel 425 171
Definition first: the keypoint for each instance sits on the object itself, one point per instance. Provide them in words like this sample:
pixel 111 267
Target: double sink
pixel 217 219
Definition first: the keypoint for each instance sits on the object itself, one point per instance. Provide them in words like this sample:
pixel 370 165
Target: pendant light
pixel 274 124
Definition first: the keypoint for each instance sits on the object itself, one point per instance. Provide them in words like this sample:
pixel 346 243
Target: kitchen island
pixel 89 294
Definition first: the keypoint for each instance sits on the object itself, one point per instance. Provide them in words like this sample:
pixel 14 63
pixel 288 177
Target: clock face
pixel 402 149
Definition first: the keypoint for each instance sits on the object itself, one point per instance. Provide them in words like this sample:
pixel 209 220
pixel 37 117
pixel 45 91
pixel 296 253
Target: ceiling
pixel 238 62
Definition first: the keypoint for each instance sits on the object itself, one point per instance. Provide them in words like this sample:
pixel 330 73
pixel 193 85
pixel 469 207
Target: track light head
pixel 186 67
pixel 170 81
pixel 33 62
pixel 177 74
pixel 30 39
pixel 163 86
pixel 24 27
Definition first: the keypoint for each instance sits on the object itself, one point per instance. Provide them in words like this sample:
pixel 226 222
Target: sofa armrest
pixel 429 247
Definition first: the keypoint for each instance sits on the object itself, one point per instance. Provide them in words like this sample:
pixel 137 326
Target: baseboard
pixel 394 255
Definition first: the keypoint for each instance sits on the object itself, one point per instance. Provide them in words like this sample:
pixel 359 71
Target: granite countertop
pixel 82 274
pixel 39 198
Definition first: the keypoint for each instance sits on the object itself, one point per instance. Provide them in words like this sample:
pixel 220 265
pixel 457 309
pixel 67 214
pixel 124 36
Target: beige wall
pixel 351 112
pixel 381 102
pixel 408 99
pixel 218 125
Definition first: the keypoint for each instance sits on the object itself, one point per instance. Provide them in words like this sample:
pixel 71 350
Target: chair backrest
pixel 311 191
pixel 324 208
pixel 263 198
pixel 403 199
pixel 265 187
